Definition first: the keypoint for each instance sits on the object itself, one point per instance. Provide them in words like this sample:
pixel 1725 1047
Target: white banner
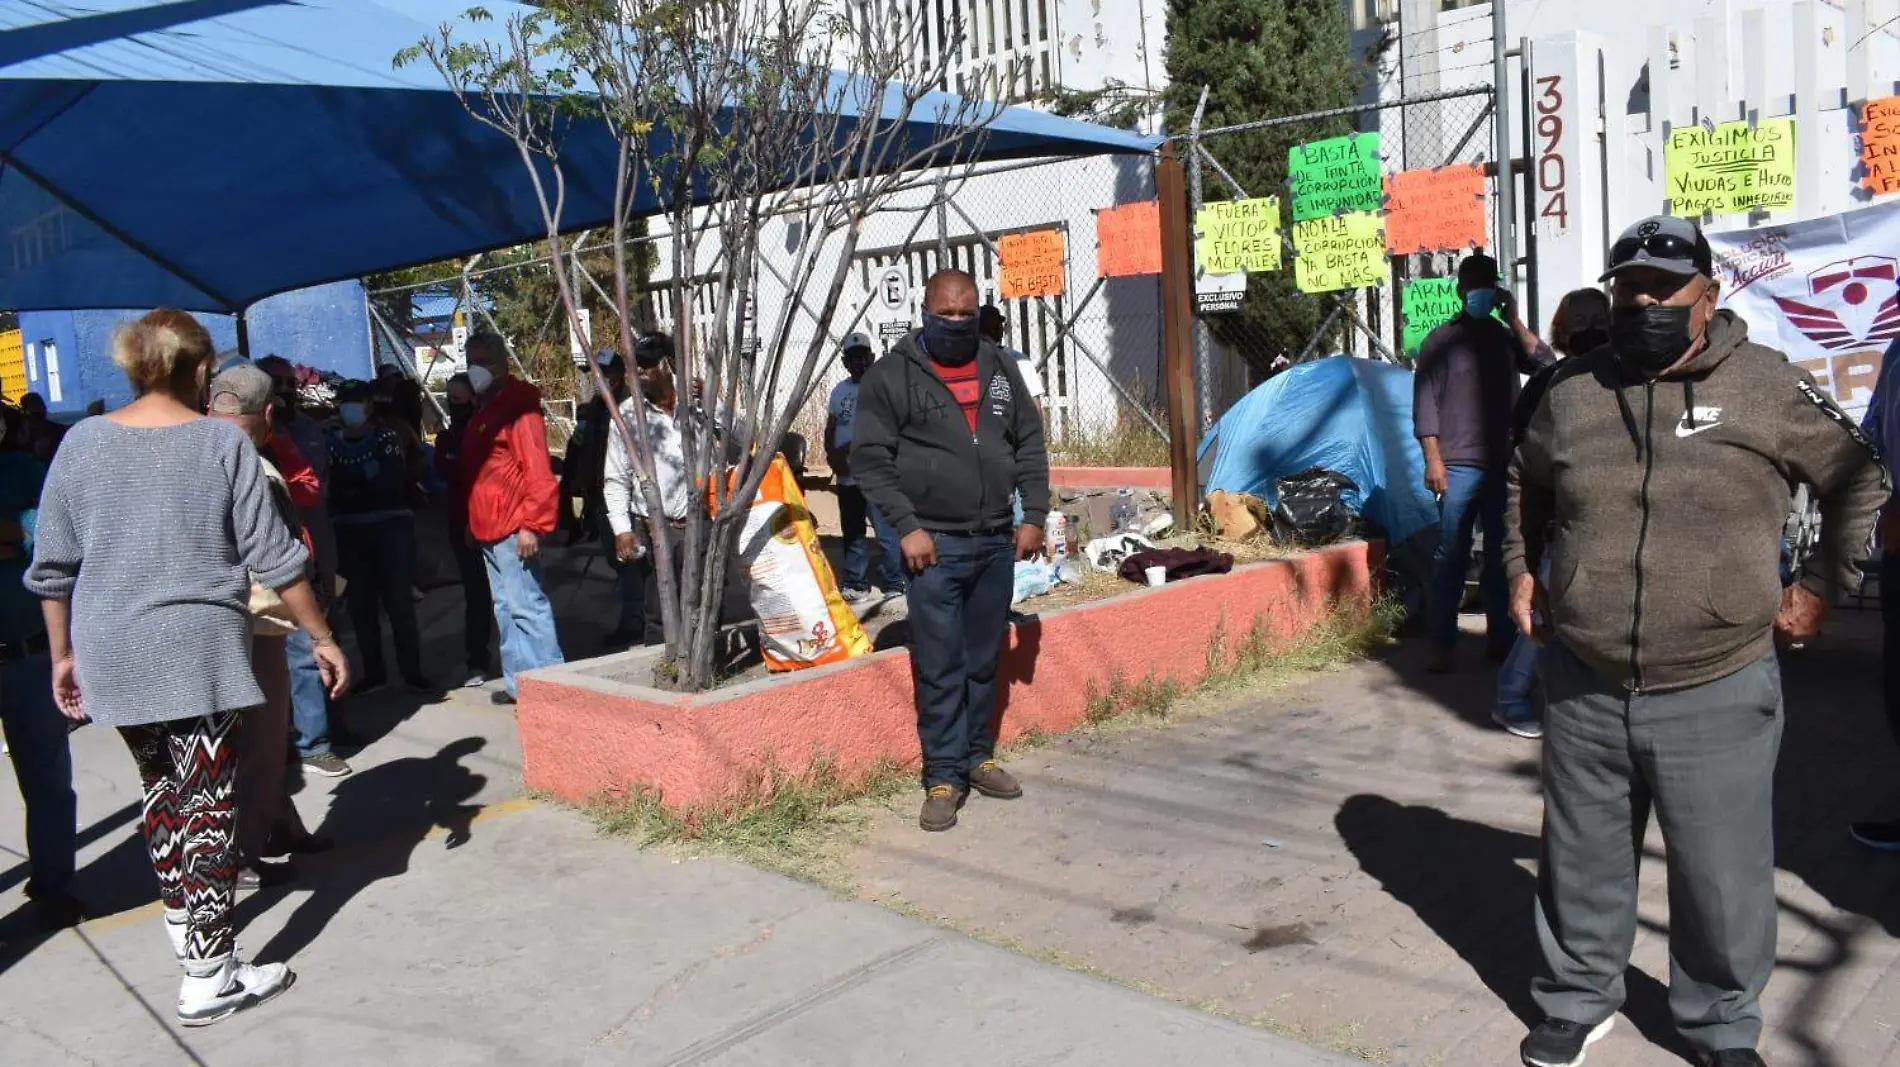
pixel 1821 292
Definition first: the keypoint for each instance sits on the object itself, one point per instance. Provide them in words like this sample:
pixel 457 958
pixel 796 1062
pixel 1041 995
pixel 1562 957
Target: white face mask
pixel 480 379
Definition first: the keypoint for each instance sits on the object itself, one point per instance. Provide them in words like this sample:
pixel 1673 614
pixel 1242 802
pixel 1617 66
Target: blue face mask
pixel 951 341
pixel 354 414
pixel 1479 302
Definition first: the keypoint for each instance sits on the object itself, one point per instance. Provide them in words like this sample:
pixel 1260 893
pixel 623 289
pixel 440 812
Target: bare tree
pixel 725 114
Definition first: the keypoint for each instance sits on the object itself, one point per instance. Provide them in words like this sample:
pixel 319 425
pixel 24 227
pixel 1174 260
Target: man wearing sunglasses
pixel 1667 461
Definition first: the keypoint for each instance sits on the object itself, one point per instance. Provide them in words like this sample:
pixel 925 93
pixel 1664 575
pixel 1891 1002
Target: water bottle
pixel 1058 538
pixel 1121 514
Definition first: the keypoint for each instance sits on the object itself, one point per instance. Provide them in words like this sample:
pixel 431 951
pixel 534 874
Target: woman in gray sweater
pixel 151 526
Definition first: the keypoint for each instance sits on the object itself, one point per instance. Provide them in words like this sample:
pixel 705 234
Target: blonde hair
pixel 163 352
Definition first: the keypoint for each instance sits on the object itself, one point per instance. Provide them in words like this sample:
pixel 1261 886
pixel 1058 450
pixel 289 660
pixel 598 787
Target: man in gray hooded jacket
pixel 1667 460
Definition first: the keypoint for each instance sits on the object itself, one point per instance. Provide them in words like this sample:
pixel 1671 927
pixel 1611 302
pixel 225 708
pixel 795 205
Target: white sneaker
pixel 476 680
pixel 856 596
pixel 176 923
pixel 230 987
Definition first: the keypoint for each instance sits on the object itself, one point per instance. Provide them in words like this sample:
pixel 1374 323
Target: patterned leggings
pixel 189 771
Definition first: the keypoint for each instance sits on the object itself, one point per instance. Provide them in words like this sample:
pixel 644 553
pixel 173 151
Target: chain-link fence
pixel 1288 317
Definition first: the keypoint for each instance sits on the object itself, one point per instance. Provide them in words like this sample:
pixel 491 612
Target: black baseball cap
pixel 1478 270
pixel 652 349
pixel 1665 243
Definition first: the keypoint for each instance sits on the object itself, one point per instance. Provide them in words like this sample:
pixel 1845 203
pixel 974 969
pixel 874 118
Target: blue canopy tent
pixel 203 154
pixel 1344 414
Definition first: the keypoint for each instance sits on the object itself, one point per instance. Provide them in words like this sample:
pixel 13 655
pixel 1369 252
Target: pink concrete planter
pixel 1111 478
pixel 586 729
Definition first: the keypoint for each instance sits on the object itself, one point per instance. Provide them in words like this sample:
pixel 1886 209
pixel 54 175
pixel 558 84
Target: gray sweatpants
pixel 1704 758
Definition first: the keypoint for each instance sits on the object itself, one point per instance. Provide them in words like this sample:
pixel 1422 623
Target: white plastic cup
pixel 1157 576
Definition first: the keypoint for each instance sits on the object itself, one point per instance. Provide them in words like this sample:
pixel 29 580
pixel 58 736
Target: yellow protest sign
pixel 1032 264
pixel 1339 252
pixel 1237 235
pixel 1730 169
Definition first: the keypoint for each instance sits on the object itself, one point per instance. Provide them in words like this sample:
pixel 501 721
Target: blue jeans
pixel 854 508
pixel 522 612
pixel 1519 672
pixel 959 617
pixel 43 764
pixel 1472 497
pixel 309 704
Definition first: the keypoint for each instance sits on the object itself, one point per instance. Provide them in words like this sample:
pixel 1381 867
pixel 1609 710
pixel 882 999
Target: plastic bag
pixel 1311 509
pixel 1107 553
pixel 803 622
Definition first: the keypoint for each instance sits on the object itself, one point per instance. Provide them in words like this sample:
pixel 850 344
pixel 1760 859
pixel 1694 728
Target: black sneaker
pixel 502 698
pixel 261 875
pixel 327 764
pixel 1560 1042
pixel 1736 1057
pixel 1883 836
pixel 419 684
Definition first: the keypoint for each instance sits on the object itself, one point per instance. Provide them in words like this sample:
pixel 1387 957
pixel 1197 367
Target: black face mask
pixel 951 341
pixel 1588 339
pixel 1650 340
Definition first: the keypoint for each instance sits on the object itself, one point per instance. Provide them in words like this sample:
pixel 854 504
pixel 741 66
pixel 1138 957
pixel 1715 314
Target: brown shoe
pixel 991 780
pixel 940 808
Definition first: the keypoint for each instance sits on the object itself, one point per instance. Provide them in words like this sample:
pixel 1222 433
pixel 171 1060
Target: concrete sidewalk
pixel 460 924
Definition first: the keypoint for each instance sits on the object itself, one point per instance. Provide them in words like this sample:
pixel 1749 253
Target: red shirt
pixel 963 386
pixel 507 480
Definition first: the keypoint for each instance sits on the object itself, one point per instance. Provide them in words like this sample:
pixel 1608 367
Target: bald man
pixel 946 432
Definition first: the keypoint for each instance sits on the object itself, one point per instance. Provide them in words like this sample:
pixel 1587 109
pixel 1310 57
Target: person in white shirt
pixel 991 324
pixel 625 500
pixel 853 506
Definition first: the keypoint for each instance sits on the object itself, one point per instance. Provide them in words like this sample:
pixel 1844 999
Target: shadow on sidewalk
pixel 1466 882
pixel 379 818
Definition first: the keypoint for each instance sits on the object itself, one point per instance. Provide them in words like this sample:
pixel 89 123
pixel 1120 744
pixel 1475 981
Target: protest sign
pixel 1730 169
pixel 1334 175
pixel 1880 145
pixel 1424 306
pixel 1435 210
pixel 1237 235
pixel 1339 252
pixel 1032 264
pixel 1128 240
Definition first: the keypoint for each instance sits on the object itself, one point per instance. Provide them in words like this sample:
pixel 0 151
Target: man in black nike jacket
pixel 946 431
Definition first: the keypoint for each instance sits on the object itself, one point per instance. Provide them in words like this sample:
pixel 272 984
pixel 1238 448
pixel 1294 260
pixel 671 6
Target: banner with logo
pixel 1823 292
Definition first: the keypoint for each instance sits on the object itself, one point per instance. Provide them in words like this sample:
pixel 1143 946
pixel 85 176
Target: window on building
pixel 33 362
pixel 1370 14
pixel 53 393
pixel 1042 21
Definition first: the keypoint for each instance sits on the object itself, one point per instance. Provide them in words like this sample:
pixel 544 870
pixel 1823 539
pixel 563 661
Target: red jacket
pixel 305 490
pixel 507 480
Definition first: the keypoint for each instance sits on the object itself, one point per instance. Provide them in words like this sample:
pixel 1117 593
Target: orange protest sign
pixel 1880 145
pixel 1434 210
pixel 1128 240
pixel 1032 264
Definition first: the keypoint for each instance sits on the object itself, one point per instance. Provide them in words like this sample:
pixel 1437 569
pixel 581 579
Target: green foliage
pixel 1116 103
pixel 1260 59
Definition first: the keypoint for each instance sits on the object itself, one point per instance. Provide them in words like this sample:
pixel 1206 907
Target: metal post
pixel 1203 358
pixel 244 334
pixel 1177 317
pixel 1507 191
pixel 943 221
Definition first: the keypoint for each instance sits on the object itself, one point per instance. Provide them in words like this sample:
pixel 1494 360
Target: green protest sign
pixel 1425 305
pixel 1335 175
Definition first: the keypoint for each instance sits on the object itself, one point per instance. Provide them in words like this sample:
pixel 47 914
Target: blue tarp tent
pixel 204 154
pixel 1349 415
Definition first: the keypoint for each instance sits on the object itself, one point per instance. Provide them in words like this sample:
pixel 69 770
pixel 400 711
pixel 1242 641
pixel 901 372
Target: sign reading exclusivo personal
pixel 1336 175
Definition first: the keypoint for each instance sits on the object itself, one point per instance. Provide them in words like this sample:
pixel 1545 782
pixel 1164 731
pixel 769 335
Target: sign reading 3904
pixel 1553 203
